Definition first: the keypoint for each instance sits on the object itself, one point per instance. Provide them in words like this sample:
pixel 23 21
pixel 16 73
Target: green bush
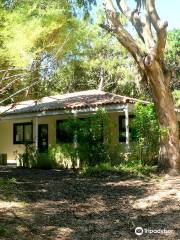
pixel 92 139
pixel 64 155
pixel 135 167
pixel 29 157
pixel 97 169
pixel 146 133
pixel 45 162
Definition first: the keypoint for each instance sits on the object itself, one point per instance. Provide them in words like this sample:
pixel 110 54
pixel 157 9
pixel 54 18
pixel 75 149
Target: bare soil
pixel 62 205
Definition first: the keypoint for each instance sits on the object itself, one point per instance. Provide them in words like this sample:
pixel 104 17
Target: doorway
pixel 43 138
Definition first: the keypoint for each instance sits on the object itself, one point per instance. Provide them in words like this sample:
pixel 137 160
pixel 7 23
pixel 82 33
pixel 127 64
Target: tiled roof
pixel 69 101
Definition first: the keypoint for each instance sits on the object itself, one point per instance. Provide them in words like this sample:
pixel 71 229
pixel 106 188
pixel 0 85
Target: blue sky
pixel 168 10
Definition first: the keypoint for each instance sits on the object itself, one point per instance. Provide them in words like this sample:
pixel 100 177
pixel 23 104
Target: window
pixel 122 128
pixel 62 135
pixel 23 133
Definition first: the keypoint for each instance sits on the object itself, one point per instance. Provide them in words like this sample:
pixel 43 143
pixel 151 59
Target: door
pixel 43 138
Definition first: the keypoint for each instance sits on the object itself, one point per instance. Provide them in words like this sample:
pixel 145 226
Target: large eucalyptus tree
pixel 149 57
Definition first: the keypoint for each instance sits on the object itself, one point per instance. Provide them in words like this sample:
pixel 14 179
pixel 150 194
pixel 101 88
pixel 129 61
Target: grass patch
pixel 3 231
pixel 136 168
pixel 7 188
pixel 127 167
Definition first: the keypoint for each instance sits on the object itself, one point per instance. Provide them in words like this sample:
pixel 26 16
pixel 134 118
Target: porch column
pixel 36 133
pixel 126 110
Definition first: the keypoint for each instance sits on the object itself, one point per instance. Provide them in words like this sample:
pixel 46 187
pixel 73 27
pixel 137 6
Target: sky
pixel 168 10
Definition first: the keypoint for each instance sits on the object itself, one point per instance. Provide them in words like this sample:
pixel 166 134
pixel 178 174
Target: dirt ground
pixel 61 205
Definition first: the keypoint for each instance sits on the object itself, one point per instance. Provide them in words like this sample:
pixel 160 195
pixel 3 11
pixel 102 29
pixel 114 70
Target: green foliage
pixel 176 95
pixel 132 167
pixel 7 187
pixel 136 167
pixel 92 138
pixel 98 56
pixel 45 161
pixel 30 28
pixel 172 55
pixel 29 157
pixel 146 132
pixel 3 231
pixel 101 168
pixel 34 37
pixel 63 155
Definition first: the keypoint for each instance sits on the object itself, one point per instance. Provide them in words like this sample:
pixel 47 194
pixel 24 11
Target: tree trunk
pixel 169 153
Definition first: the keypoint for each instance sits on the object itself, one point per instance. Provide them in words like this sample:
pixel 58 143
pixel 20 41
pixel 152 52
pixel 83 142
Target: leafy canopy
pixel 29 28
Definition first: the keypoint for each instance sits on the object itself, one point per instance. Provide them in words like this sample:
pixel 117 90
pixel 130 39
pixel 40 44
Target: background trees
pixel 34 35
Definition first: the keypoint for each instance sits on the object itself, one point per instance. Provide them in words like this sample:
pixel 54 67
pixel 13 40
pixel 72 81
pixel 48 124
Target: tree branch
pixel 159 26
pixel 114 26
pixel 20 91
pixel 2 90
pixel 143 27
pixel 15 76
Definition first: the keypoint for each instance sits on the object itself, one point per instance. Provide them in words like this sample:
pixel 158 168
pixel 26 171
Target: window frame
pixel 23 125
pixel 123 129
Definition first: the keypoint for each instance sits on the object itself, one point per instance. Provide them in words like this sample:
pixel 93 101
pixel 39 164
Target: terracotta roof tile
pixel 69 101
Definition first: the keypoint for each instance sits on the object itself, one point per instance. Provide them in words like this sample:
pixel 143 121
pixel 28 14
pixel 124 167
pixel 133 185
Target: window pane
pixel 28 132
pixel 122 129
pixel 19 133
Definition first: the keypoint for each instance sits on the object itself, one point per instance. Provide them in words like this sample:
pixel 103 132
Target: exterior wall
pixel 6 132
pixel 6 140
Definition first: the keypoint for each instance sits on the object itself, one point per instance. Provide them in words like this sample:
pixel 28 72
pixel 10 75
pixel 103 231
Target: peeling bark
pixel 169 153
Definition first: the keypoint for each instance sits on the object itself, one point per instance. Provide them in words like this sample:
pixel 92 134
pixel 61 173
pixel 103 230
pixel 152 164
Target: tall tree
pixel 152 66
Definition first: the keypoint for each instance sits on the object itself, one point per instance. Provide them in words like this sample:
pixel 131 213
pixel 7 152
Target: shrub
pixel 29 157
pixel 130 167
pixel 64 156
pixel 97 169
pixel 146 133
pixel 92 139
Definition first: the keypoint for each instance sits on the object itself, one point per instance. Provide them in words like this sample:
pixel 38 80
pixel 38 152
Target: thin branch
pixel 13 69
pixel 20 91
pixel 15 76
pixel 63 44
pixel 2 90
pixel 4 75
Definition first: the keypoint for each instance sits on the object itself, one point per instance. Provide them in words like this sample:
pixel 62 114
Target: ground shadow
pixel 62 205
